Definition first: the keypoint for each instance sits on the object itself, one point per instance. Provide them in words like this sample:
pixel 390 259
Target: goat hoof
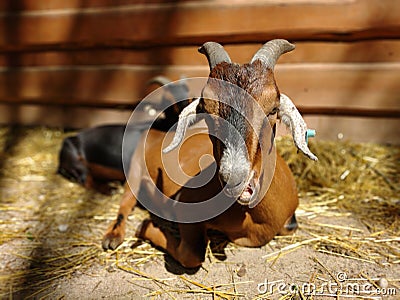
pixel 290 226
pixel 108 191
pixel 111 241
pixel 113 237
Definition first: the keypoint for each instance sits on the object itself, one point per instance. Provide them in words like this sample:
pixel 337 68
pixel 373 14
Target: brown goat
pixel 242 225
pixel 239 172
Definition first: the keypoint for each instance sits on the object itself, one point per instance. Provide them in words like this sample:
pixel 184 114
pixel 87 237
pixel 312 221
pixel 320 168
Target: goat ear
pixel 186 118
pixel 291 117
pixel 161 80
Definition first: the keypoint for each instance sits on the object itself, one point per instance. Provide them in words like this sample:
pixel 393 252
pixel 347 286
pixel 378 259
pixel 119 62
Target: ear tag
pixel 309 134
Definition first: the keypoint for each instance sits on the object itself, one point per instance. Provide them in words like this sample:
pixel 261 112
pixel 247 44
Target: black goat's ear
pixel 161 80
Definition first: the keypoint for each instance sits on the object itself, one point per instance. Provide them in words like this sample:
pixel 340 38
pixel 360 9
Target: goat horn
pixel 161 80
pixel 291 117
pixel 271 51
pixel 215 54
pixel 186 118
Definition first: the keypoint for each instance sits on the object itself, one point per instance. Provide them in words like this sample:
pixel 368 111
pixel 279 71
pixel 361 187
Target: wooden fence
pixel 79 63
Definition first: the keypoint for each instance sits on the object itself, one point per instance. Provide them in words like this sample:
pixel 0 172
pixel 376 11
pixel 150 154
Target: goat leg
pixel 99 186
pixel 189 251
pixel 115 234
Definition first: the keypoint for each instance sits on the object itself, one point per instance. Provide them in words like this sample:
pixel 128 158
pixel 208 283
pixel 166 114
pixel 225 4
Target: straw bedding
pixel 50 229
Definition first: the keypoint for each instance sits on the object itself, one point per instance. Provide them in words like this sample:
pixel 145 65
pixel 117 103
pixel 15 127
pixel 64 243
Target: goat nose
pixel 234 168
pixel 234 182
pixel 234 179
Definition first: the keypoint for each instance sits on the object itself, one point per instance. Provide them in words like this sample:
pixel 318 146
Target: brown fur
pixel 259 82
pixel 251 227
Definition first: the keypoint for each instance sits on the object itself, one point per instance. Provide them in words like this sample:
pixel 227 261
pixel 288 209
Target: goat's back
pixel 170 171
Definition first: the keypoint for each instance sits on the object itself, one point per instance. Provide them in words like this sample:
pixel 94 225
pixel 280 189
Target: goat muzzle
pixel 250 193
pixel 246 193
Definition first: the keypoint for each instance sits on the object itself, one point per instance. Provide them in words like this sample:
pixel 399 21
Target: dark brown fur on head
pixel 234 103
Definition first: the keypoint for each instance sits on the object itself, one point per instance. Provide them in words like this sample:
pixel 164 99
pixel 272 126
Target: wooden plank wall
pixel 80 63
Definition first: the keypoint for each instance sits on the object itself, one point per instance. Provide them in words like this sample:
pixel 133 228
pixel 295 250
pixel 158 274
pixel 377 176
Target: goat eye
pixel 200 107
pixel 273 111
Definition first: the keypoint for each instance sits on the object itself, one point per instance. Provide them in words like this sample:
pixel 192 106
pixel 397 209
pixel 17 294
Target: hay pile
pixel 51 228
pixel 358 180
